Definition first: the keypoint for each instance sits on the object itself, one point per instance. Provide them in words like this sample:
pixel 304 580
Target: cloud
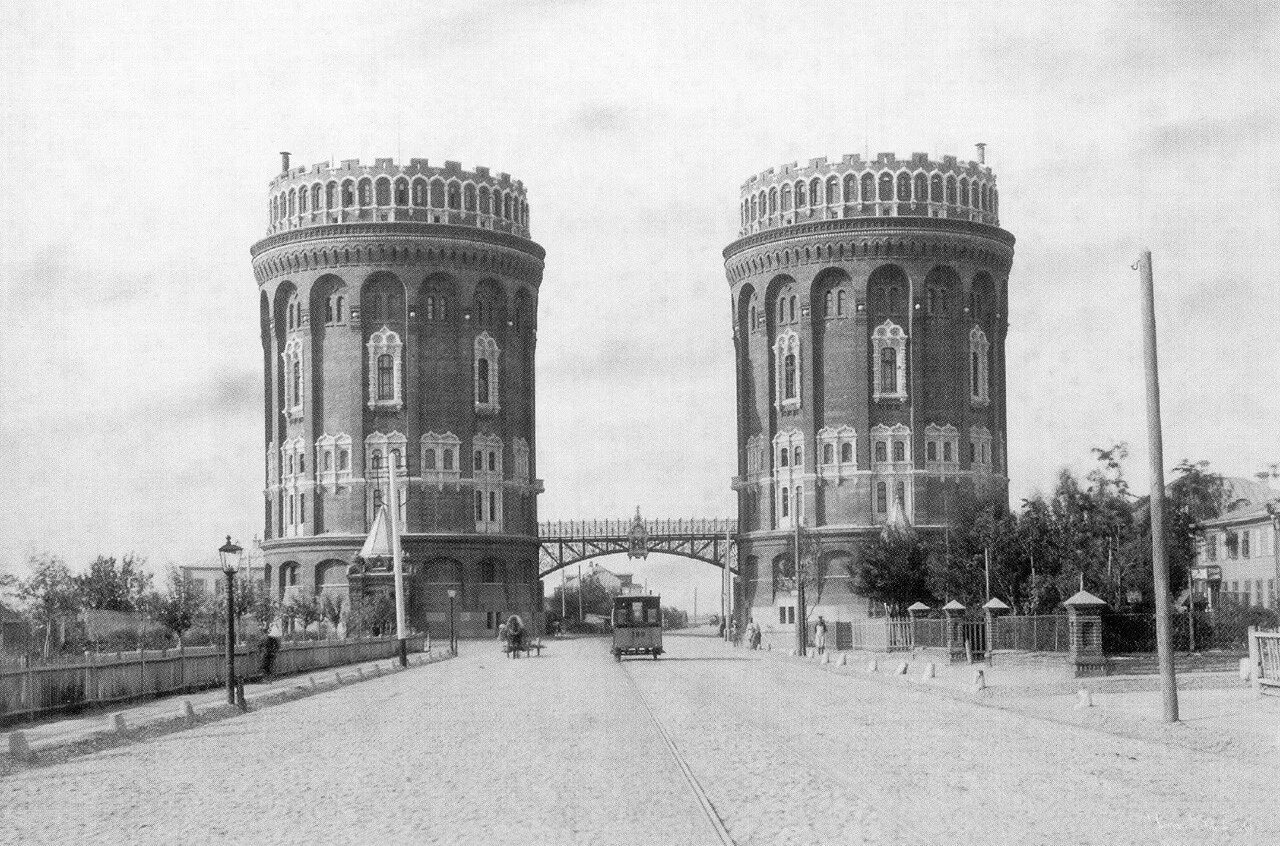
pixel 1207 132
pixel 600 119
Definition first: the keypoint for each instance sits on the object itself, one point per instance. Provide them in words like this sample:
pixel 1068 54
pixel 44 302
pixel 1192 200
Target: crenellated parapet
pixel 386 191
pixel 885 186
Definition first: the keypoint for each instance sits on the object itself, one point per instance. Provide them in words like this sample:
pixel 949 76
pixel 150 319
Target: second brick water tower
pixel 870 303
pixel 399 316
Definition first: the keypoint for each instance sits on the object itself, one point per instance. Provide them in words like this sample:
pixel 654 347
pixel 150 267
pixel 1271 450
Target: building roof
pixel 1245 512
pixel 1249 499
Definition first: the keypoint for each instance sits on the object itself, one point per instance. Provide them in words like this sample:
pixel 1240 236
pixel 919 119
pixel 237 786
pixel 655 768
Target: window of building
pixel 979 365
pixel 899 451
pixel 882 498
pixel 486 372
pixel 1233 546
pixel 1244 543
pixel 385 369
pixel 931 451
pixel 980 448
pixel 520 455
pixel 846 453
pixel 904 187
pixel 1211 547
pixel 882 452
pixel 787 364
pixel 886 187
pixel 868 188
pixel 828 453
pixel 833 190
pixel 293 383
pixel 889 344
pixel 786 502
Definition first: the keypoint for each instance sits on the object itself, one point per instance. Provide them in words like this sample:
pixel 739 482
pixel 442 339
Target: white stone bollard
pixel 769 648
pixel 121 728
pixel 826 659
pixel 902 669
pixel 842 659
pixel 979 680
pixel 1084 699
pixel 188 711
pixel 871 666
pixel 1246 670
pixel 930 670
pixel 360 672
pixel 19 749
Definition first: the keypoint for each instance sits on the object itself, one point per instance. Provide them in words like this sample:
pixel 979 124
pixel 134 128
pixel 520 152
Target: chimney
pixel 982 153
pixel 284 162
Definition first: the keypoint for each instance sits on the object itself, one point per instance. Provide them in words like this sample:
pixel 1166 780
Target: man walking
pixel 820 635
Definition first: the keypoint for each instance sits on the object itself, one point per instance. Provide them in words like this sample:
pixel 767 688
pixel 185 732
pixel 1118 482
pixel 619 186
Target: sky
pixel 139 139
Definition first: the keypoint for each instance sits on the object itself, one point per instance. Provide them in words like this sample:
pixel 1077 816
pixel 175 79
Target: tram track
pixel 704 801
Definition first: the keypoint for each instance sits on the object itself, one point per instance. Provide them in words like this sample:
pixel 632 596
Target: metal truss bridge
pixel 571 541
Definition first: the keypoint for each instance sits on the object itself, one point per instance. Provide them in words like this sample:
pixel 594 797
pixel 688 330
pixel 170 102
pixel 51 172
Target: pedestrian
pixel 753 633
pixel 502 637
pixel 268 645
pixel 515 634
pixel 820 635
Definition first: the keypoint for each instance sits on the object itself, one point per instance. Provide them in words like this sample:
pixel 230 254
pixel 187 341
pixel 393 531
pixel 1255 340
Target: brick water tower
pixel 870 303
pixel 399 309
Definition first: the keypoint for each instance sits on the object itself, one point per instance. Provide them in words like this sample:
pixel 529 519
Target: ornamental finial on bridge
pixel 638 537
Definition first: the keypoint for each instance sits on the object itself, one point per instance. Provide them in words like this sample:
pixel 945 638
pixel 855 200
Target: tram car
pixel 637 626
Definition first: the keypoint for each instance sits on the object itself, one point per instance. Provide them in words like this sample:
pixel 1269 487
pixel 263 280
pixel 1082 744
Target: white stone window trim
pixel 292 354
pixel 384 443
pixel 787 478
pixel 889 435
pixel 486 348
pixel 331 447
pixel 788 343
pixel 980 437
pixel 889 334
pixel 981 347
pixel 490 519
pixel 439 476
pixel 757 456
pixel 939 436
pixel 836 438
pixel 386 342
pixel 294 481
pixel 486 445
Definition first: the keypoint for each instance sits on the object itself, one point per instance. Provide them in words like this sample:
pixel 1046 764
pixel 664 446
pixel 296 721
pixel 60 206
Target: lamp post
pixel 453 638
pixel 230 554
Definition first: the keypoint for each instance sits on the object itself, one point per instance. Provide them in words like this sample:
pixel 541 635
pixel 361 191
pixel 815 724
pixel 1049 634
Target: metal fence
pixel 566 529
pixel 104 678
pixel 1040 633
pixel 1264 656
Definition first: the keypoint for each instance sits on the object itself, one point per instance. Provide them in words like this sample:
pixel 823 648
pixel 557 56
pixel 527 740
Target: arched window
pixel 773 201
pixel 900 494
pixel 850 188
pixel 437 194
pixel 493 506
pixel 951 190
pixel 383 191
pixel 317 192
pixel 302 199
pixel 479 506
pixel 828 453
pixel 888 370
pixel 964 191
pixel 293 196
pixel 979 365
pixel 922 188
pixel 331 195
pixel 840 302
pixel 833 191
pixel 899 451
pixel 973 194
pixel 402 192
pixel 789 371
pixel 295 376
pixel 868 187
pixel 792 304
pixel 786 197
pixel 815 191
pixel 784 457
pixel 935 189
pixel 419 192
pixel 786 351
pixel 786 502
pixel 375 461
pixel 348 194
pixel 904 187
pixel 469 197
pixel 882 498
pixel 797 456
pixel 366 192
pixel 763 205
pixel 385 380
pixel 753 207
pixel 482 381
pixel 344 460
pixel 484 199
pixel 802 196
pixel 846 452
pixel 886 186
pixel 782 310
pixel 386 389
pixel 828 301
pixel 882 452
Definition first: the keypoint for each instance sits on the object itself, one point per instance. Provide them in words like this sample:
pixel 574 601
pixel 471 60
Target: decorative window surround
pixel 942 449
pixel 333 460
pixel 787 370
pixel 979 368
pixel 379 449
pixel 895 439
pixel 441 459
pixel 787 474
pixel 889 335
pixel 486 375
pixel 386 342
pixel 837 451
pixel 294 485
pixel 757 457
pixel 488 449
pixel 487 508
pixel 980 449
pixel 295 377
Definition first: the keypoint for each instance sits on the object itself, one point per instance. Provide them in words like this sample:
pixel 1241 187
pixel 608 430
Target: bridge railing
pixel 572 529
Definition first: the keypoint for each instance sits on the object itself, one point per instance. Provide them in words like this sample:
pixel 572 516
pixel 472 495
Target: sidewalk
pixel 97 725
pixel 1219 713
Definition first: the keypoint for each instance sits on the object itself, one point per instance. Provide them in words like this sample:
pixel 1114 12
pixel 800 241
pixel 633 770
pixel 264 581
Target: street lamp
pixel 230 554
pixel 453 639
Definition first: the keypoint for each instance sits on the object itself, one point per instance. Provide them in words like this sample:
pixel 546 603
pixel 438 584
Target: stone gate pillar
pixel 993 609
pixel 1084 634
pixel 953 612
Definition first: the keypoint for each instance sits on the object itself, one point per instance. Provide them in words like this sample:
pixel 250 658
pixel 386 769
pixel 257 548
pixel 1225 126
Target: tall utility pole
pixel 802 633
pixel 580 593
pixel 397 560
pixel 1159 556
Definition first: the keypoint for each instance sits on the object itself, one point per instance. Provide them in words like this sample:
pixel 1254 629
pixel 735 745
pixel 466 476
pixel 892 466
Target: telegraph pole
pixel 397 560
pixel 801 626
pixel 1159 556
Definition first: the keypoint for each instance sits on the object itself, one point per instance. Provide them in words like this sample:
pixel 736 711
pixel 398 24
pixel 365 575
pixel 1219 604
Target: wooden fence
pixel 104 678
pixel 1042 633
pixel 1264 659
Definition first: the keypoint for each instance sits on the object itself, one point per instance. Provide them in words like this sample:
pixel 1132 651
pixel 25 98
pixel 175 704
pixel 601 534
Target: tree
pixel 372 613
pixel 331 608
pixel 109 586
pixel 596 598
pixel 180 606
pixel 893 569
pixel 8 588
pixel 49 594
pixel 303 608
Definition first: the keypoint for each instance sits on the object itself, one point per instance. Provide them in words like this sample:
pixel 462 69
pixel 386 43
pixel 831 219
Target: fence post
pixel 88 676
pixel 1255 659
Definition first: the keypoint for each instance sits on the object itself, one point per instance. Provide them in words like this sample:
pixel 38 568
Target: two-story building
pixel 1235 558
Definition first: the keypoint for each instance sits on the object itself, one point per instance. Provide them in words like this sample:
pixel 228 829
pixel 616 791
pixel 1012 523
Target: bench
pixel 534 647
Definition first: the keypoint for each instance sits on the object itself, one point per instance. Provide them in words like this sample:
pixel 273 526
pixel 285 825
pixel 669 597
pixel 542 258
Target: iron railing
pixel 572 529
